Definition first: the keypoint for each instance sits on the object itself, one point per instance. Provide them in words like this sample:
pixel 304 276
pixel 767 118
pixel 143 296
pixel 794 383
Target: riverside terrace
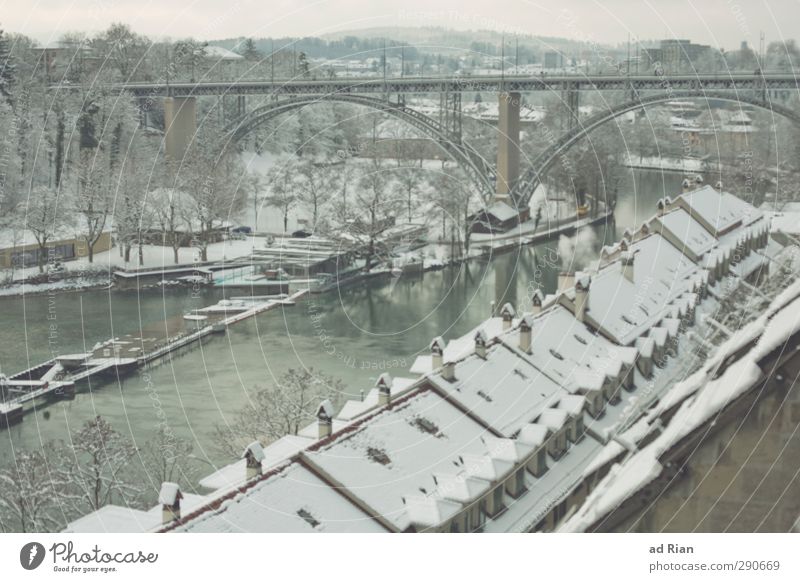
pixel 499 431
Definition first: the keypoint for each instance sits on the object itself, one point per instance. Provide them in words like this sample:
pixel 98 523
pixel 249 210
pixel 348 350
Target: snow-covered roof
pixel 772 329
pixel 721 211
pixel 627 310
pixel 395 453
pixel 562 347
pixel 688 231
pixel 504 390
pixel 272 455
pixel 221 53
pixel 293 500
pixel 118 519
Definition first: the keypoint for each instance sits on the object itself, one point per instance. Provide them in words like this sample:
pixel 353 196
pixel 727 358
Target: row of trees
pixel 79 163
pixel 44 489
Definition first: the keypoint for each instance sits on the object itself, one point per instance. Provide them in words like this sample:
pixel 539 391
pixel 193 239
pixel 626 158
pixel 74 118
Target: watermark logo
pixel 31 555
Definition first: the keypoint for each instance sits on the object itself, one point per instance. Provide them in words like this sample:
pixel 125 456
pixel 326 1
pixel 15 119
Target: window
pixel 454 526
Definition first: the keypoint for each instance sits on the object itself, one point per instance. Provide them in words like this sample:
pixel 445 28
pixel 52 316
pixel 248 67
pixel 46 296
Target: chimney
pixel 437 352
pixel 718 186
pixel 526 333
pixel 507 313
pixel 582 283
pixel 627 259
pixel 566 280
pixel 324 419
pixel 627 235
pixel 384 386
pixel 698 180
pixel 536 301
pixel 449 371
pixel 644 230
pixel 170 499
pixel 661 206
pixel 686 185
pixel 480 344
pixel 253 455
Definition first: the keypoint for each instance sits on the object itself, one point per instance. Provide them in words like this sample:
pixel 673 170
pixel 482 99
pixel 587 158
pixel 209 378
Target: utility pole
pixel 502 61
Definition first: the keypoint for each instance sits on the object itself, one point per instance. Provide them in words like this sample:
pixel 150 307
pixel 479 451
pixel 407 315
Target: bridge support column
pixel 507 145
pixel 180 125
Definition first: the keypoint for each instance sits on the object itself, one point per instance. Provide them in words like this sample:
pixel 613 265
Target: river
pixel 354 334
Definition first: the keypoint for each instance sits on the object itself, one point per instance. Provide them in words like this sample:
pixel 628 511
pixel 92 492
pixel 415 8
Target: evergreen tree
pixel 6 67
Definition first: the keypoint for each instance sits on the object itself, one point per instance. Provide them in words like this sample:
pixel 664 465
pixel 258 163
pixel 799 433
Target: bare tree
pixel 45 216
pixel 30 493
pixel 168 458
pixel 373 212
pixel 282 193
pixel 99 467
pixel 278 410
pixel 212 179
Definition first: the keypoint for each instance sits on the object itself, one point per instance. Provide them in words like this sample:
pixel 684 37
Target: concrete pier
pixel 507 145
pixel 180 125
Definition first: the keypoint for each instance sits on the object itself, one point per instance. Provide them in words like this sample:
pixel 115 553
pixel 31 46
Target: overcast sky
pixel 722 23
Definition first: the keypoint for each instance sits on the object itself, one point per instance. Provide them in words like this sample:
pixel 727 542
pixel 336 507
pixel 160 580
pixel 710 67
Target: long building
pixel 510 427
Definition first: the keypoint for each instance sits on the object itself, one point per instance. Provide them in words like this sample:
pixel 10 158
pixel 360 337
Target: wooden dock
pixel 57 378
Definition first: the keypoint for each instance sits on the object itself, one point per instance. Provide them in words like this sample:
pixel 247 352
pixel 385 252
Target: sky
pixel 720 23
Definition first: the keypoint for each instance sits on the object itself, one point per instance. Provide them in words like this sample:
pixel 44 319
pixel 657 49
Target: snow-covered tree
pixel 316 181
pixel 168 458
pixel 212 179
pixel 45 215
pixel 281 409
pixel 100 466
pixel 373 211
pixel 30 492
pixel 282 193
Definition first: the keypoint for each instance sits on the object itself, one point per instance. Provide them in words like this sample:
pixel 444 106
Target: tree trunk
pixel 141 254
pixel 175 254
pixel 127 252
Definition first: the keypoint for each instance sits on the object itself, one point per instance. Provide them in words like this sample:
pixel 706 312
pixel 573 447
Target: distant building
pixel 673 55
pixel 553 60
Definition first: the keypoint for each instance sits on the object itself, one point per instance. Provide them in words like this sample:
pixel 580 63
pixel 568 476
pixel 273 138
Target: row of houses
pixel 500 427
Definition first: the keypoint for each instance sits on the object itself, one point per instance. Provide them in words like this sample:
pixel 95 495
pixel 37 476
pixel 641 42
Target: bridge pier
pixel 507 146
pixel 180 125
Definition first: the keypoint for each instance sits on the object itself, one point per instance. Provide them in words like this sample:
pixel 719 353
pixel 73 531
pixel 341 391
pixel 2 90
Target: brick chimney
pixel 480 343
pixel 324 415
pixel 437 352
pixel 384 386
pixel 627 259
pixel 582 283
pixel 253 455
pixel 507 313
pixel 536 302
pixel 526 333
pixel 170 499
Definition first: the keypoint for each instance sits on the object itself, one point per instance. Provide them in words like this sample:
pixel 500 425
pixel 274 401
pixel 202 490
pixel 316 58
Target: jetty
pixel 57 378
